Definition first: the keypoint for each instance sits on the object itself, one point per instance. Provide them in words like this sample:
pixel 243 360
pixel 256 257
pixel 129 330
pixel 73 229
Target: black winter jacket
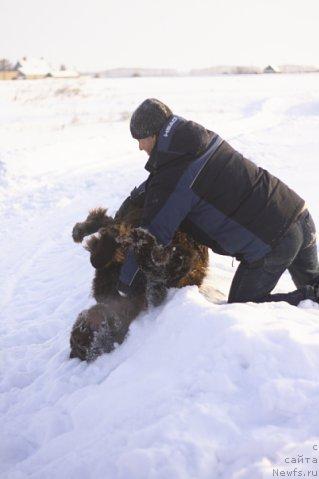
pixel 200 184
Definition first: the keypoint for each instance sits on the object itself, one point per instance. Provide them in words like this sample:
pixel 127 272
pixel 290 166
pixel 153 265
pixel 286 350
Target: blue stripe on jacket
pixel 177 206
pixel 234 238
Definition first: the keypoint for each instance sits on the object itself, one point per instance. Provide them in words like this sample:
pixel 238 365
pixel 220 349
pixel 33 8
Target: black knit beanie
pixel 149 118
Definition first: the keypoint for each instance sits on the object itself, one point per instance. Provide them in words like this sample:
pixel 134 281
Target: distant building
pixel 33 68
pixel 269 69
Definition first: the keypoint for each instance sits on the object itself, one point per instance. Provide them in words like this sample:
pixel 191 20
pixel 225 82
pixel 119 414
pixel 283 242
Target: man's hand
pixel 119 255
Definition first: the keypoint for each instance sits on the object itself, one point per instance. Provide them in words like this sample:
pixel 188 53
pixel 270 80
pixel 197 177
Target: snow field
pixel 200 389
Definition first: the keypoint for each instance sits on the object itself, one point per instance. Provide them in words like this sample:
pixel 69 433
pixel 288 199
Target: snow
pixel 200 389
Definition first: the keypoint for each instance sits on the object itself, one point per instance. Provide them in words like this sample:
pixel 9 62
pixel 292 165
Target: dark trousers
pixel 297 252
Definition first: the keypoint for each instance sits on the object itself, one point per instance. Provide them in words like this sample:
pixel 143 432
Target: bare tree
pixel 5 65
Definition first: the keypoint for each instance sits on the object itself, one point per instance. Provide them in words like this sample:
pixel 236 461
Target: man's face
pixel 147 144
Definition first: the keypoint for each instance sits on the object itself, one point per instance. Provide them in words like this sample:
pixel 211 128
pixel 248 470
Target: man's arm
pixel 164 210
pixel 136 198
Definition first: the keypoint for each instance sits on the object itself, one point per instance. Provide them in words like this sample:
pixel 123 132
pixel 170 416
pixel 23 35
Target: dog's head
pixel 81 337
pixel 95 331
pixel 92 334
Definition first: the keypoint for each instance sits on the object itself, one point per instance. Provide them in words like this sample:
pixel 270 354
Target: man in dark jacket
pixel 197 182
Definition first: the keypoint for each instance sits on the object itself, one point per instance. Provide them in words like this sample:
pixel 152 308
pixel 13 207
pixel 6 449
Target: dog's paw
pixel 140 238
pixel 78 232
pixel 160 256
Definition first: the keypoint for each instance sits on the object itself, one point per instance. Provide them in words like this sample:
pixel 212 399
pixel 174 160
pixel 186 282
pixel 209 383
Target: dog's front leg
pixel 96 219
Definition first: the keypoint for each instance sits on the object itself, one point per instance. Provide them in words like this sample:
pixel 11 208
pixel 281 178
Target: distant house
pixel 33 68
pixel 269 69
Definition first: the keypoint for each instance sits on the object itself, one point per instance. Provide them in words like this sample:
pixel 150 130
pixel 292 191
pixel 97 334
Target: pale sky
pixel 182 34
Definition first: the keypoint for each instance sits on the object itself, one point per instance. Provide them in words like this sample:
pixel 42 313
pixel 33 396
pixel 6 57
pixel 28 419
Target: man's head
pixel 147 121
